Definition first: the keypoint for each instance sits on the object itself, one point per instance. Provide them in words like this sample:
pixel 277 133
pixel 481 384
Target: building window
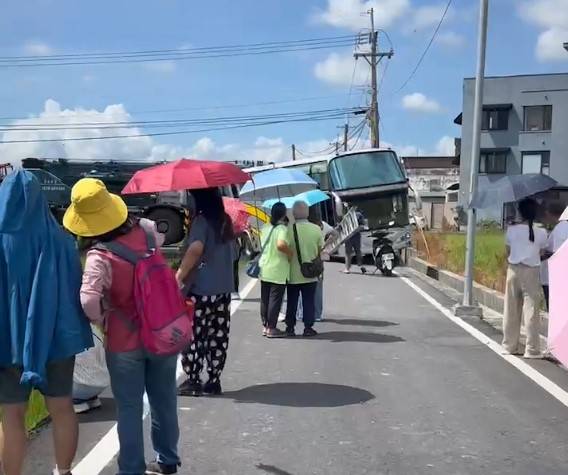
pixel 536 162
pixel 538 118
pixel 495 119
pixel 493 162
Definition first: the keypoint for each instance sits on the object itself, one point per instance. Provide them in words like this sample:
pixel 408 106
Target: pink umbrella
pixel 238 213
pixel 558 315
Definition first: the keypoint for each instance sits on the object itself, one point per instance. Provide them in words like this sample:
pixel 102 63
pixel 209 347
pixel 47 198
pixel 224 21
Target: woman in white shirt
pixel 525 243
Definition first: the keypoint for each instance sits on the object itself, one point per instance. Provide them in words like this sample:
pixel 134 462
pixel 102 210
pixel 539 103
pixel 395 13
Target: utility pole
pixel 294 152
pixel 468 307
pixel 374 58
pixel 345 137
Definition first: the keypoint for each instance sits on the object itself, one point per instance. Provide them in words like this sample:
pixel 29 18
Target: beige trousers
pixel 522 300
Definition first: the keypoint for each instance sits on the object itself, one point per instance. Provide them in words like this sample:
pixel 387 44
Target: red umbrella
pixel 238 213
pixel 185 174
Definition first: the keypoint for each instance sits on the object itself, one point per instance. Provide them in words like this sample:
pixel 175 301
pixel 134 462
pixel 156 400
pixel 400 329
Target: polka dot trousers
pixel 210 337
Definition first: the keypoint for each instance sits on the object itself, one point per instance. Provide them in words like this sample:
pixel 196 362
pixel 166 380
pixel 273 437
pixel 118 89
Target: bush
pixel 447 251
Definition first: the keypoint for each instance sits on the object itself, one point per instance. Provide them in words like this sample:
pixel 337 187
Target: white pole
pixel 475 152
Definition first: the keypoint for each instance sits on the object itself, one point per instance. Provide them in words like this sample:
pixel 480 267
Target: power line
pixel 168 123
pixel 185 54
pixel 205 108
pixel 427 48
pixel 177 50
pixel 334 116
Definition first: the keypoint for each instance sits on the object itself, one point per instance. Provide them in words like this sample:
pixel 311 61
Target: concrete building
pixel 436 180
pixel 524 130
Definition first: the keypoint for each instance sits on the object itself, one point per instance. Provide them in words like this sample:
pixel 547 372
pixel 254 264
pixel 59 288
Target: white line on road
pixel 549 386
pixel 106 449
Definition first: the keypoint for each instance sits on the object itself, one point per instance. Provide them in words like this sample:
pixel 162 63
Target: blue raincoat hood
pixel 41 319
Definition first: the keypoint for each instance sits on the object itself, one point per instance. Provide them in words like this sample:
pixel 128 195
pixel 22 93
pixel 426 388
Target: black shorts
pixel 59 382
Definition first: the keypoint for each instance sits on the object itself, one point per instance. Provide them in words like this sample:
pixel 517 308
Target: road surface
pixel 391 386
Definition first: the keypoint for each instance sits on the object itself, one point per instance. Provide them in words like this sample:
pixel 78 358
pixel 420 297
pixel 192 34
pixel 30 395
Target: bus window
pixel 319 172
pixel 365 170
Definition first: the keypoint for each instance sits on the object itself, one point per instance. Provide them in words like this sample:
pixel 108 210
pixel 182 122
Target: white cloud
pixel 418 102
pixel 350 13
pixel 550 45
pixel 451 39
pixel 446 146
pixel 131 148
pixel 165 67
pixel 427 16
pixel 37 48
pixel 338 70
pixel 551 16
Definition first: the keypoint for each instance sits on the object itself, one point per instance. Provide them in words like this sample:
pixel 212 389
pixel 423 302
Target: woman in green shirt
pixel 274 269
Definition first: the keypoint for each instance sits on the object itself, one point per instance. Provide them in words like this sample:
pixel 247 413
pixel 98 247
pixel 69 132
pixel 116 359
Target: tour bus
pixel 373 180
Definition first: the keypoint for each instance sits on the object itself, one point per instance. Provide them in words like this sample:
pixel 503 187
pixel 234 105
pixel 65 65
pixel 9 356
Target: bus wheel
pixel 169 223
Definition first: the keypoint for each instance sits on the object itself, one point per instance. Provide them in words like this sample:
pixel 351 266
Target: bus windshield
pixel 365 170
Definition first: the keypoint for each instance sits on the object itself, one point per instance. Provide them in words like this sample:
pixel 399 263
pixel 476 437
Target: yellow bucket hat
pixel 94 211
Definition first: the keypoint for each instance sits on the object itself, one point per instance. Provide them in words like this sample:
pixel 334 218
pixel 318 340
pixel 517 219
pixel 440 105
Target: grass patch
pixel 447 251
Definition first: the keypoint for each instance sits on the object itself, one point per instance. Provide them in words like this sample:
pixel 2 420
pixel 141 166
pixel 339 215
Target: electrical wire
pixel 428 46
pixel 176 55
pixel 331 116
pixel 205 108
pixel 167 123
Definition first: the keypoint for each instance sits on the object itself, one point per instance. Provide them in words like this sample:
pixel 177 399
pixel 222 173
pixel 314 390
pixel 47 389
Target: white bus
pixel 373 180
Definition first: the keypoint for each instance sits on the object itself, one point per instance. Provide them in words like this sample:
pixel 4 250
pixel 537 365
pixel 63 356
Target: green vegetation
pixel 447 251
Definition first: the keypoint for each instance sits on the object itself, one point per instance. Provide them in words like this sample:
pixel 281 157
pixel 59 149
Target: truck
pixel 57 177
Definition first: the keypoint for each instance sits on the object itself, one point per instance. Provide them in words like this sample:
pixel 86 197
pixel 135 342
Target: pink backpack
pixel 166 320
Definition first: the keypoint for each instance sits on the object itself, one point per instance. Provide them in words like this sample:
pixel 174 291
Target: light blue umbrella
pixel 276 183
pixel 311 198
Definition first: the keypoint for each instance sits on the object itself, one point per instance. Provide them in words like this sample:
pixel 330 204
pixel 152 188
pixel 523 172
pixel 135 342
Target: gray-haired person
pixel 306 240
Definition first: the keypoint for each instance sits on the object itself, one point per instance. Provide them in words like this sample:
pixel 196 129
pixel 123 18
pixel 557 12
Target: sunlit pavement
pixel 390 386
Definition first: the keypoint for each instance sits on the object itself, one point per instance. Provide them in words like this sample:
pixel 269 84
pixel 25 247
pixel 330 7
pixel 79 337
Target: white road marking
pixel 106 449
pixel 549 386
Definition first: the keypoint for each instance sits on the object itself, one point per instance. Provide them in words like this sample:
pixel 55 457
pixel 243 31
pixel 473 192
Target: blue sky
pixel 524 38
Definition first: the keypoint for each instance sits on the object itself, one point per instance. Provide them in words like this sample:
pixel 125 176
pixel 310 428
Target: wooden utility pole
pixel 293 152
pixel 345 137
pixel 374 58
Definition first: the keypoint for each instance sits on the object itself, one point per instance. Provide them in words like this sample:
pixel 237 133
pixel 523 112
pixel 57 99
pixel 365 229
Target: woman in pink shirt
pixel 107 297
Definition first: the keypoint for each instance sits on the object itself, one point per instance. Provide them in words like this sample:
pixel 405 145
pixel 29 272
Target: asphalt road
pixel 391 386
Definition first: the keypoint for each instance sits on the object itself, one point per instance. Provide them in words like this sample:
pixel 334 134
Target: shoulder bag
pixel 253 267
pixel 312 269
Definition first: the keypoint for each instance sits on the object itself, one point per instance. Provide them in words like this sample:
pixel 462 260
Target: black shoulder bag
pixel 312 269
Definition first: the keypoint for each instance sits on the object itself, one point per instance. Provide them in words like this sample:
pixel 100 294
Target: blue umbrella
pixel 276 183
pixel 311 198
pixel 510 189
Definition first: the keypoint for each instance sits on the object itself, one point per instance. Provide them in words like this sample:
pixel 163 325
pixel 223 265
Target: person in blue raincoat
pixel 42 325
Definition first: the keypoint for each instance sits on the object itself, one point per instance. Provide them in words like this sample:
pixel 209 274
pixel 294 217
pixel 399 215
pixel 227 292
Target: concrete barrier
pixel 483 295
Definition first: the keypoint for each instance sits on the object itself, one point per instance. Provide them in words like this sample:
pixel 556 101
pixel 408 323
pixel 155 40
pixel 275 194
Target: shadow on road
pixel 301 395
pixel 107 412
pixel 272 469
pixel 360 337
pixel 359 322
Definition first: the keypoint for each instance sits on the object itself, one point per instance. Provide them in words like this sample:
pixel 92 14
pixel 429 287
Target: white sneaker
pixel 86 406
pixel 537 356
pixel 282 317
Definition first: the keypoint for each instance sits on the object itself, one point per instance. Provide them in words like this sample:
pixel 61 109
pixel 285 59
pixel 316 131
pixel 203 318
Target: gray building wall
pixel 519 91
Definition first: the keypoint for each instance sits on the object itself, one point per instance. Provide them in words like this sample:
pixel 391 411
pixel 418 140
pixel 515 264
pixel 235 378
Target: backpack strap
pixel 298 252
pixel 150 240
pixel 119 250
